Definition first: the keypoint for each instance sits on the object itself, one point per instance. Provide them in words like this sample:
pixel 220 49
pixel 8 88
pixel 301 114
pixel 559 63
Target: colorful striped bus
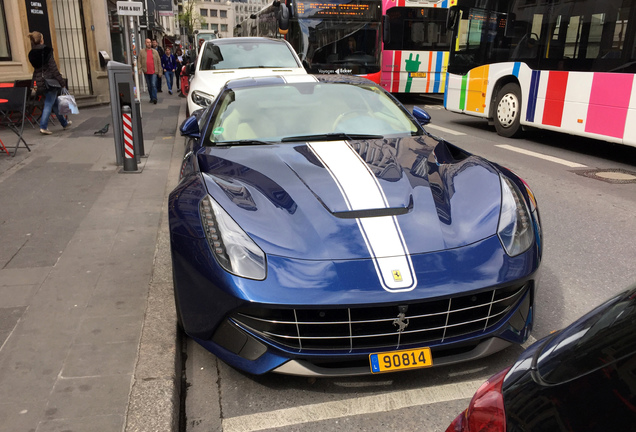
pixel 566 66
pixel 415 45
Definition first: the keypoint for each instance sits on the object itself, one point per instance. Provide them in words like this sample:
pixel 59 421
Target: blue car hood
pixel 342 200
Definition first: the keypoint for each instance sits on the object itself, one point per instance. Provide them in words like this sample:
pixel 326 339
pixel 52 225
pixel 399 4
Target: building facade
pixel 217 15
pixel 78 31
pixel 245 8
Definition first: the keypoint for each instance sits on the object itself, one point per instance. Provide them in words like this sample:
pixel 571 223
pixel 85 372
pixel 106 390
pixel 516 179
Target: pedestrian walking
pixel 48 80
pixel 150 63
pixel 156 46
pixel 169 64
pixel 179 56
pixel 185 78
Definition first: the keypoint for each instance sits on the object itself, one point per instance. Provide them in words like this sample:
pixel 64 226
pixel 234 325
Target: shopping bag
pixel 66 103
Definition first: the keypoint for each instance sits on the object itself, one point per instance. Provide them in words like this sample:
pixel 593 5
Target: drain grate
pixel 610 175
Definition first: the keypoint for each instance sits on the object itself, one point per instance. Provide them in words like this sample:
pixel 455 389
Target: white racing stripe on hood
pixel 361 191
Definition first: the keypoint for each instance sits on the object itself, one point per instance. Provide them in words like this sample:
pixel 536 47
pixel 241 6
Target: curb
pixel 154 400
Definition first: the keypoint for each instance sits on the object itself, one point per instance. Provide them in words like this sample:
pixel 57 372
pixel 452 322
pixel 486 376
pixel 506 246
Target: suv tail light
pixel 485 412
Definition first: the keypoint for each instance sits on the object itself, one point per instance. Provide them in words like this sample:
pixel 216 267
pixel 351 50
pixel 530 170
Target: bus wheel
pixel 508 111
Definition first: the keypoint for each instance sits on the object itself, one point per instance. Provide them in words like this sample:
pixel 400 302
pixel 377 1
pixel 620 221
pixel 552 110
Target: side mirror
pixel 190 126
pixel 386 30
pixel 421 116
pixel 283 19
pixel 451 18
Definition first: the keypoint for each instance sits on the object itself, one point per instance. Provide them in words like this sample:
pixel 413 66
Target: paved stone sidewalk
pixel 87 326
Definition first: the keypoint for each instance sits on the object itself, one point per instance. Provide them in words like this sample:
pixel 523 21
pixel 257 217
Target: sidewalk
pixel 87 321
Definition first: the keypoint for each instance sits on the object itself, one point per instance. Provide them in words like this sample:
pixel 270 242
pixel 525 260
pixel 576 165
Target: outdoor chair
pixel 33 108
pixel 12 113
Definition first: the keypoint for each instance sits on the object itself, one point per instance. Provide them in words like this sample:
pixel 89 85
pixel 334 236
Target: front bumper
pixel 214 306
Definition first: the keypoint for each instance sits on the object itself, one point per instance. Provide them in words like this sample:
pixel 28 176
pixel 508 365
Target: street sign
pixel 130 8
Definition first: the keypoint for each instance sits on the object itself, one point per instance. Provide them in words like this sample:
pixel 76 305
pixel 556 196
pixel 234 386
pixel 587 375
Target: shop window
pixel 5 49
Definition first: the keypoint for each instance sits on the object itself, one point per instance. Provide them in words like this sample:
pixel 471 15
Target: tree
pixel 189 17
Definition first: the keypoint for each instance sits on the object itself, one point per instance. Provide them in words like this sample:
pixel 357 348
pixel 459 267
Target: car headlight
pixel 515 226
pixel 234 250
pixel 201 99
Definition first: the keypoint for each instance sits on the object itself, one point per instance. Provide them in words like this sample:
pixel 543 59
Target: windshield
pixel 206 36
pixel 273 113
pixel 247 54
pixel 338 36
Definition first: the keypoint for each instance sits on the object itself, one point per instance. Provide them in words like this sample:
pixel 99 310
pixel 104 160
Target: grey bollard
pixel 130 159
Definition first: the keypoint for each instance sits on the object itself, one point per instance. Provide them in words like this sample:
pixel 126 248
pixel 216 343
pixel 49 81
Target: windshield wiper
pixel 243 142
pixel 330 137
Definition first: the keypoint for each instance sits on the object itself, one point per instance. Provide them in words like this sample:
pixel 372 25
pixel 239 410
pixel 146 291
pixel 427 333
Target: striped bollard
pixel 130 161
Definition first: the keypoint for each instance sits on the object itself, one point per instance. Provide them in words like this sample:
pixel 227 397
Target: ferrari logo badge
pixel 397 276
pixel 401 322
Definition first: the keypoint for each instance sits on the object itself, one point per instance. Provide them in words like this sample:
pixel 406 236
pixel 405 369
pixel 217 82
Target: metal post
pixel 138 132
pixel 134 48
pixel 130 161
pixel 127 44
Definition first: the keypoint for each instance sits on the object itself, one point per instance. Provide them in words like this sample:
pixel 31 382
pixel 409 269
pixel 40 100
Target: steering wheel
pixel 348 116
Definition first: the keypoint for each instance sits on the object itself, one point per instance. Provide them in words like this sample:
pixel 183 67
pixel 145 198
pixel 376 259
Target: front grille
pixel 360 328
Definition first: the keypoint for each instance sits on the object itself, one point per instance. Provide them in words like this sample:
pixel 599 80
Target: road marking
pixel 542 156
pixel 351 407
pixel 443 129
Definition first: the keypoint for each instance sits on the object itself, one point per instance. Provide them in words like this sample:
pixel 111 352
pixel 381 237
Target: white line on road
pixel 439 128
pixel 351 407
pixel 542 156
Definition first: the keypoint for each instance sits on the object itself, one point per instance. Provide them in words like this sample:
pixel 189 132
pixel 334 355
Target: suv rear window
pixel 603 336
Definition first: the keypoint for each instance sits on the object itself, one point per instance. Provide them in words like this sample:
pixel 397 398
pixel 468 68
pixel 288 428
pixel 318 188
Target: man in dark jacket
pixel 48 80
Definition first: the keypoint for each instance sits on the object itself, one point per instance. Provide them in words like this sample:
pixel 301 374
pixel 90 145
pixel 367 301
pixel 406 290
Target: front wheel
pixel 508 111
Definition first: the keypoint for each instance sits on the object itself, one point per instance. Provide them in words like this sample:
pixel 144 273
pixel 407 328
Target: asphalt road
pixel 589 230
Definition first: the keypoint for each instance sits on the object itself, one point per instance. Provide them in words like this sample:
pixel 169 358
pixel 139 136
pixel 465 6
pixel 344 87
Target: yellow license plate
pixel 418 74
pixel 400 360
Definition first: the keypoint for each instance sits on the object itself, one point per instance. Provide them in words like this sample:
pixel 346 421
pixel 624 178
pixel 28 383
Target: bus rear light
pixel 485 412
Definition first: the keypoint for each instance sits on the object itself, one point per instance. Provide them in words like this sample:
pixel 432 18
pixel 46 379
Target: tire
pixel 507 115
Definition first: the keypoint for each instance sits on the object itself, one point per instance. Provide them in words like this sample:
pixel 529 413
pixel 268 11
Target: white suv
pixel 221 60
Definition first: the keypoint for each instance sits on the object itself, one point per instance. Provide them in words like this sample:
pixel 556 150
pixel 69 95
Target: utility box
pixel 122 92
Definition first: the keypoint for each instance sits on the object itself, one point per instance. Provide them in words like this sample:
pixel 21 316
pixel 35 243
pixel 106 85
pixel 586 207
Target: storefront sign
pixel 130 8
pixel 38 19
